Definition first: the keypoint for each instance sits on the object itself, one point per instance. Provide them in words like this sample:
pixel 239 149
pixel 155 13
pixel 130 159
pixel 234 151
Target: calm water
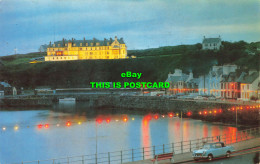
pixel 125 130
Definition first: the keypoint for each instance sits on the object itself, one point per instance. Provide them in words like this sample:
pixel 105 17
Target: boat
pixel 68 99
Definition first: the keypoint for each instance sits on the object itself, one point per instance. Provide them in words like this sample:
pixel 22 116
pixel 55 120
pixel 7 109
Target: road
pixel 240 157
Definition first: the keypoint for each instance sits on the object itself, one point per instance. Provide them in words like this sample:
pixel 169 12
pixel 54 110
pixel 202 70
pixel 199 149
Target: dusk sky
pixel 27 24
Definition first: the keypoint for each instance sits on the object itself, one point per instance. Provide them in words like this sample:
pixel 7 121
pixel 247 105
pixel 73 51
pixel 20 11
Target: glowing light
pixel 163 116
pixel 133 118
pixel 16 127
pixel 200 113
pixel 215 111
pixel 58 125
pixel 210 112
pixel 220 110
pixel 99 120
pixel 156 117
pixel 170 115
pixel 46 126
pixel 189 114
pixel 205 112
pixel 108 120
pixel 68 123
pixel 40 126
pixel 79 123
pixel 177 114
pixel 125 119
pixel 4 128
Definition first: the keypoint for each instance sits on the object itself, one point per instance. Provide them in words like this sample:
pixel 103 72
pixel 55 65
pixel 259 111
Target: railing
pixel 149 152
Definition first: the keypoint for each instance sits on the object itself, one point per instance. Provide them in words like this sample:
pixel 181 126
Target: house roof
pixel 5 84
pixel 194 80
pixel 94 41
pixel 211 40
pixel 231 77
pixel 246 78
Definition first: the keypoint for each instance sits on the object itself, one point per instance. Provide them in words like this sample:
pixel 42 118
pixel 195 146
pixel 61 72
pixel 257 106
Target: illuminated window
pixel 80 44
pixel 97 44
pixel 74 44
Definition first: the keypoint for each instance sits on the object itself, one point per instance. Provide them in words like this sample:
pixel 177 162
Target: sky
pixel 27 24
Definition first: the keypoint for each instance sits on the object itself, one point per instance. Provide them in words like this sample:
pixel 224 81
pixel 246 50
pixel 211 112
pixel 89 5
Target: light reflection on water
pixel 31 143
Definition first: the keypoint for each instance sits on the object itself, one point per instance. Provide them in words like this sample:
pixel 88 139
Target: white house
pixel 211 43
pixel 182 83
pixel 210 84
pixel 249 85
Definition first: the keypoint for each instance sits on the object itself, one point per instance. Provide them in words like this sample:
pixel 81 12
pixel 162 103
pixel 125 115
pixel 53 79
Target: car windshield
pixel 207 146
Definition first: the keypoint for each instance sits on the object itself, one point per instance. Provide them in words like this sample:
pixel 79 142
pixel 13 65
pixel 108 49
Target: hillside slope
pixel 154 65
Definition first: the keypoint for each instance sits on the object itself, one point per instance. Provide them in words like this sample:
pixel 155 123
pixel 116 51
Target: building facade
pixel 181 83
pixel 86 49
pixel 249 85
pixel 210 84
pixel 211 43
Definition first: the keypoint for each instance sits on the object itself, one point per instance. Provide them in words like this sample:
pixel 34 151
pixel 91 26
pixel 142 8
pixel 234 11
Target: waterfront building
pixel 210 84
pixel 181 83
pixel 211 43
pixel 249 85
pixel 7 89
pixel 86 49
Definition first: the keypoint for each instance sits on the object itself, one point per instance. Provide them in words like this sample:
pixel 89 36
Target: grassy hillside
pixel 154 64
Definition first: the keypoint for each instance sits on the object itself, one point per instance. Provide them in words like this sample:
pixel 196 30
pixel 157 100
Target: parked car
pixel 211 98
pixel 200 98
pixel 212 150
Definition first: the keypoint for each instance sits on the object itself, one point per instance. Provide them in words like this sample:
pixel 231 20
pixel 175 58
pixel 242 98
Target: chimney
pixel 191 75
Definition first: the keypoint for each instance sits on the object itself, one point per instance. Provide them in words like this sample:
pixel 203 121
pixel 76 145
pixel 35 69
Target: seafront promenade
pixel 187 157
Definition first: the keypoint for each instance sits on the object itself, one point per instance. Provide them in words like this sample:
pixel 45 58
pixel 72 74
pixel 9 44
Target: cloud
pixel 150 22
